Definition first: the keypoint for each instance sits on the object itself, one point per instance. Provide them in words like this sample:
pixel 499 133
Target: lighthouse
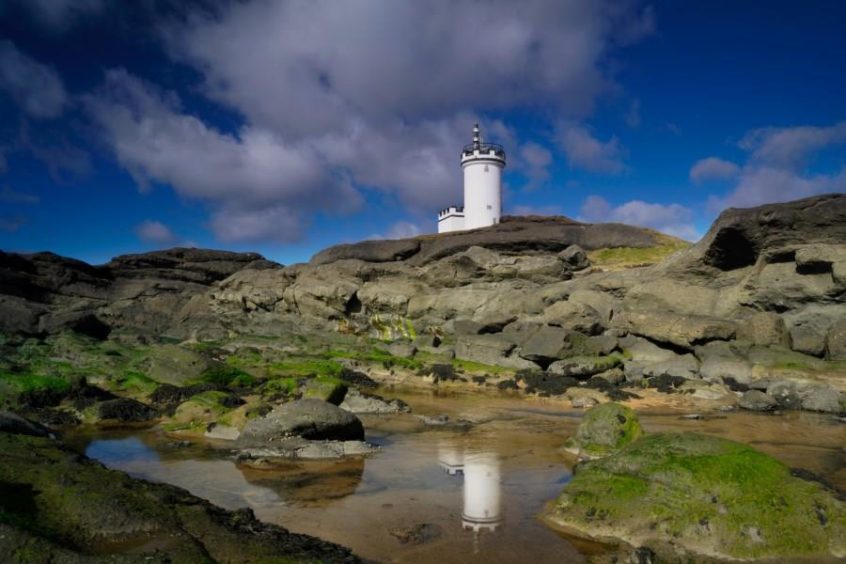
pixel 482 164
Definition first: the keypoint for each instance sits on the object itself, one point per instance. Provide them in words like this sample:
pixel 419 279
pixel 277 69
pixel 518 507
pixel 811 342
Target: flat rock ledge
pixel 296 448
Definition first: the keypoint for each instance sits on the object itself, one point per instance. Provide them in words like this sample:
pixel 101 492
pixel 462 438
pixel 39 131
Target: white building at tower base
pixel 482 164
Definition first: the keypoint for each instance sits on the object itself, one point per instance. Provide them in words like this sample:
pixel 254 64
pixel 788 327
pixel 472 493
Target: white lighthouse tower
pixel 482 164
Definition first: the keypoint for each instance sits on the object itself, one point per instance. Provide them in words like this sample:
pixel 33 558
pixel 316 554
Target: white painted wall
pixel 450 221
pixel 482 190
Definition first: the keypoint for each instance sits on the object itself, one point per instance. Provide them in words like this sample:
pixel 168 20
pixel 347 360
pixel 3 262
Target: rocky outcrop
pixel 523 295
pixel 514 235
pixel 60 506
pixel 690 497
pixel 148 293
pixel 310 419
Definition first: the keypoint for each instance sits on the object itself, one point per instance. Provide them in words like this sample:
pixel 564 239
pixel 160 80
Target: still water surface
pixel 478 488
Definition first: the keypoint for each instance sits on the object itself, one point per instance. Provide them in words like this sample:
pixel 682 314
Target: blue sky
pixel 284 127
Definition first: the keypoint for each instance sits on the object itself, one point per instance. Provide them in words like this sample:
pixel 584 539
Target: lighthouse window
pixel 489 207
pixel 486 168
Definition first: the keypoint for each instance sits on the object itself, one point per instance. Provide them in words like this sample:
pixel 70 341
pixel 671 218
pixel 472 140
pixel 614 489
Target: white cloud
pixel 364 95
pixel 585 151
pixel 258 184
pixel 35 87
pixel 713 168
pixel 332 63
pixel 403 230
pixel 535 160
pixel 763 185
pixel 155 232
pixel 775 170
pixel 673 219
pixel 790 147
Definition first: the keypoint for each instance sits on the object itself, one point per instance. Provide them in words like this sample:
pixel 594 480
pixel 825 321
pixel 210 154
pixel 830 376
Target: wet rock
pixel 357 378
pixel 297 448
pixel 700 389
pixel 73 500
pixel 357 402
pixel 615 376
pixel 545 384
pixel 583 367
pixel 416 534
pixel 125 410
pixel 15 424
pixel 756 400
pixel 605 429
pixel 665 383
pixel 584 398
pixel 434 420
pixel 618 496
pixel 222 432
pixel 307 418
pixel 508 384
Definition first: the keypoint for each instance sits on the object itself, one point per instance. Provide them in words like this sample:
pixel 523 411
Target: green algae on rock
pixel 705 496
pixel 59 506
pixel 605 429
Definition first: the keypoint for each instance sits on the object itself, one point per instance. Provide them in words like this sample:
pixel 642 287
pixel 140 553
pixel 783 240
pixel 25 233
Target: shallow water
pixel 478 488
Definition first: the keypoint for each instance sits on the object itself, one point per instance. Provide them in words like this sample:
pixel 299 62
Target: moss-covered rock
pixel 605 429
pixel 326 388
pixel 705 495
pixel 172 364
pixel 199 410
pixel 59 506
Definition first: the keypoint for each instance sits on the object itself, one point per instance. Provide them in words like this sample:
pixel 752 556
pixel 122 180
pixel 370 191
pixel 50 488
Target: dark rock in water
pixel 60 506
pixel 440 372
pixel 509 384
pixel 307 418
pixel 734 385
pixel 15 424
pixel 126 410
pixel 756 400
pixel 357 379
pixel 56 417
pixel 416 534
pixel 665 383
pixel 541 382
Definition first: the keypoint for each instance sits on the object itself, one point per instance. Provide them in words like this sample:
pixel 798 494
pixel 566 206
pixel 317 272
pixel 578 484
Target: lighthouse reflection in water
pixel 482 504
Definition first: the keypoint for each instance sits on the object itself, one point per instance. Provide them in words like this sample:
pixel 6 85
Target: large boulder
pixel 679 330
pixel 311 419
pixel 605 429
pixel 714 498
